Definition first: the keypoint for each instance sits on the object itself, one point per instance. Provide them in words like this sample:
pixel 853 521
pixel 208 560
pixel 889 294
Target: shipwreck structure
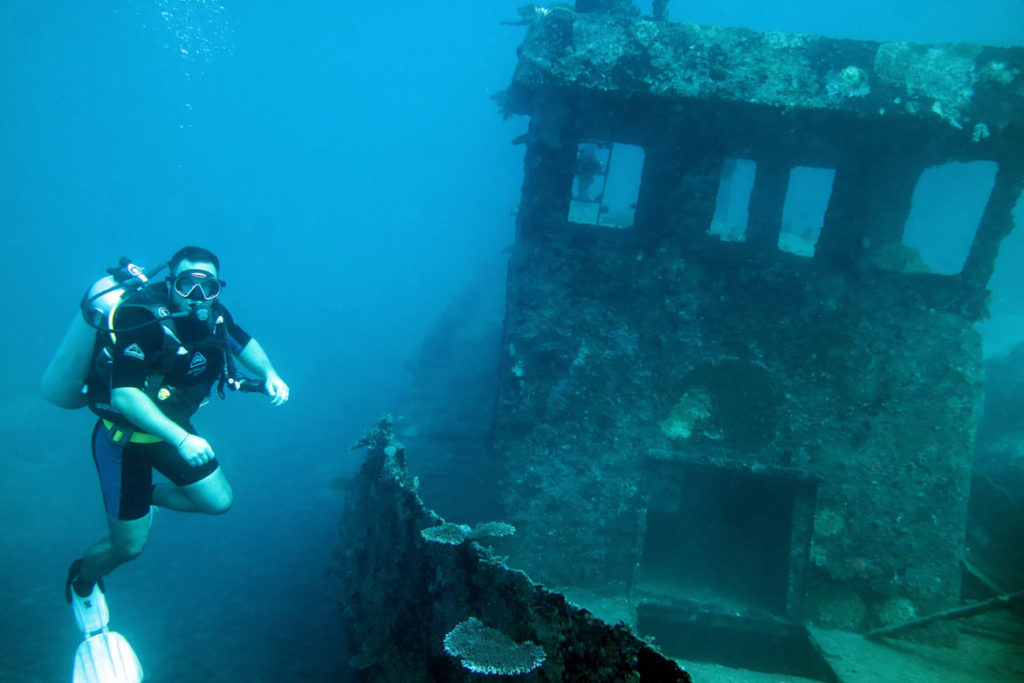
pixel 689 410
pixel 707 414
pixel 426 602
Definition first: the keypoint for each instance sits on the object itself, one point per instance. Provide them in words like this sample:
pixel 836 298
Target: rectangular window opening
pixel 732 205
pixel 948 203
pixel 606 184
pixel 803 213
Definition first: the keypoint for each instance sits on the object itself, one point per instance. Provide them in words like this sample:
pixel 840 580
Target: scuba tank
pixel 63 383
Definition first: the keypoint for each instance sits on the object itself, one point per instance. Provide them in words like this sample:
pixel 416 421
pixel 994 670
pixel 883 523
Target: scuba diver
pixel 144 355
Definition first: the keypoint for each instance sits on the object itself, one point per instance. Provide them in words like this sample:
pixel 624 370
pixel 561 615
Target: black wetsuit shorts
pixel 126 472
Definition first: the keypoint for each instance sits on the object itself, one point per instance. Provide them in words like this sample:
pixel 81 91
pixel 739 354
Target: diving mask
pixel 197 285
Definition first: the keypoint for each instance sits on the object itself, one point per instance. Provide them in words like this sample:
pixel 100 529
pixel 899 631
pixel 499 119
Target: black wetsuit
pixel 176 367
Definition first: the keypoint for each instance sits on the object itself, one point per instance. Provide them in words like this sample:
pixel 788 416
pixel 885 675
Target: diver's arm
pixel 255 359
pixel 139 408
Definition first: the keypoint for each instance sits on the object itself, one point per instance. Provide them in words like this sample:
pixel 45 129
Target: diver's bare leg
pixel 126 540
pixel 211 495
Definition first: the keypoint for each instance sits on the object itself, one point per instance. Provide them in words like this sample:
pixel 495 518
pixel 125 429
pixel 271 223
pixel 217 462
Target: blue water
pixel 346 162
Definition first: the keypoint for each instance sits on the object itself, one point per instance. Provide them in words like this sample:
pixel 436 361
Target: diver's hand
pixel 196 450
pixel 276 389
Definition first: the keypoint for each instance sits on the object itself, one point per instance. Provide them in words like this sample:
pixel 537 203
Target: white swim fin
pixel 106 658
pixel 91 612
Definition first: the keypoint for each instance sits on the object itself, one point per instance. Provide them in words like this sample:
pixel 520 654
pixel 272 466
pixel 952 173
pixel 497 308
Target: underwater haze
pixel 349 166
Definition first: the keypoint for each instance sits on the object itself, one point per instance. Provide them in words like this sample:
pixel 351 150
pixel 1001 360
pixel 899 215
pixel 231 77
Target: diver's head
pixel 193 281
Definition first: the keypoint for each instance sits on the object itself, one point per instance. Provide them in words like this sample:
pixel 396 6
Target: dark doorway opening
pixel 728 535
